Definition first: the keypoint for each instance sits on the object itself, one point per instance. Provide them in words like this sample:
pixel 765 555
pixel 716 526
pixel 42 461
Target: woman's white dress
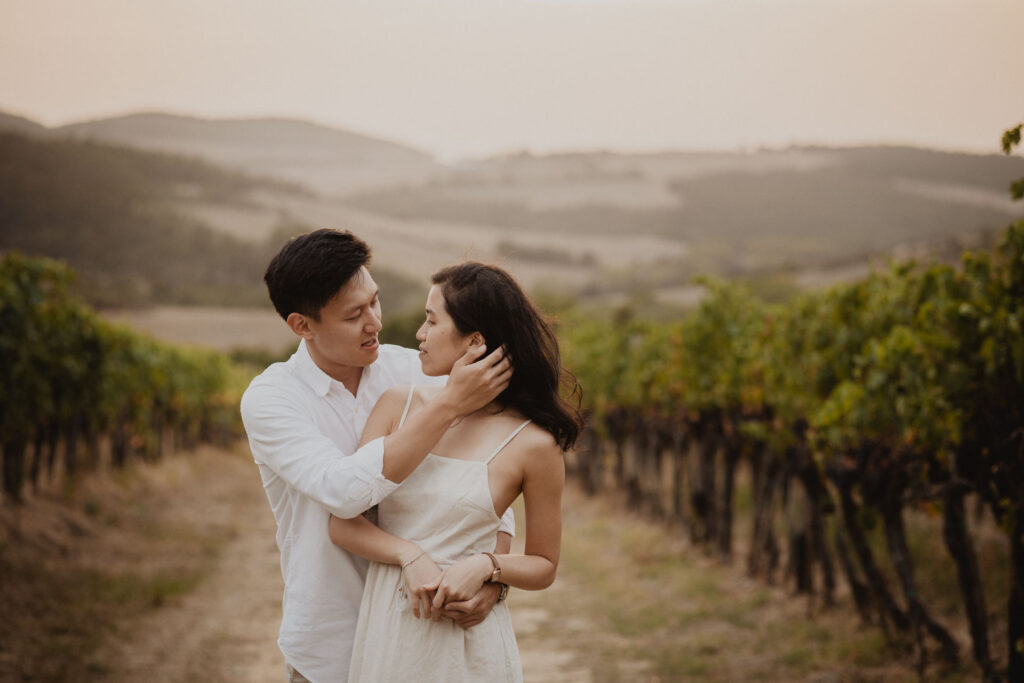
pixel 445 507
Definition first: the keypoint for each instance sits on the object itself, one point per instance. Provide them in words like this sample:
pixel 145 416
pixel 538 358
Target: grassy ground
pixel 169 573
pixel 79 566
pixel 634 602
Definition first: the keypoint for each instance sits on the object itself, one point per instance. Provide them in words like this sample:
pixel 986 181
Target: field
pixel 168 572
pixel 224 329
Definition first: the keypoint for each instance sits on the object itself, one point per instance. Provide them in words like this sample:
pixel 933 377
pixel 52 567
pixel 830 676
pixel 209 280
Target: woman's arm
pixel 543 481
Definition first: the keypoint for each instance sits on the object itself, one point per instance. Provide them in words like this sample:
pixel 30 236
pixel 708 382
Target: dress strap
pixel 505 442
pixel 408 402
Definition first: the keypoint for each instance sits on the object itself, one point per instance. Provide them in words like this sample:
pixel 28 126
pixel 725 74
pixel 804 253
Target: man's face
pixel 346 334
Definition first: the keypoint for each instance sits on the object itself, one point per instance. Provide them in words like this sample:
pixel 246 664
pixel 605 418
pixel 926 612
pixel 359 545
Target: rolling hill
pixel 599 225
pixel 114 215
pixel 327 160
pixel 735 213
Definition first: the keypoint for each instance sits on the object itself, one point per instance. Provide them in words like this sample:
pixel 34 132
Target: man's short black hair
pixel 311 268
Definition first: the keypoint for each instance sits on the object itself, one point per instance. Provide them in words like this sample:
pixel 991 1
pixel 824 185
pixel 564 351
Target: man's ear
pixel 299 325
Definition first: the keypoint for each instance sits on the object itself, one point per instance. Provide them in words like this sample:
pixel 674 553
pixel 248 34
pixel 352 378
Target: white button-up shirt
pixel 304 429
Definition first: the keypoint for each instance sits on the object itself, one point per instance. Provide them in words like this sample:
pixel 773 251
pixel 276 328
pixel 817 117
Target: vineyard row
pixel 78 390
pixel 904 390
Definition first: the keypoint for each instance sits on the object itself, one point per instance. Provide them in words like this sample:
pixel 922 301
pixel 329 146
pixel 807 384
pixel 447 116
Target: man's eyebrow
pixel 356 307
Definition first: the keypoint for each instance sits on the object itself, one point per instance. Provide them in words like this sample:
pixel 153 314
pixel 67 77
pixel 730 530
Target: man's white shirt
pixel 304 429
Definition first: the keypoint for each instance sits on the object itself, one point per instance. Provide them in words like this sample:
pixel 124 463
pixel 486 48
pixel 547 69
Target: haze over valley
pixel 169 209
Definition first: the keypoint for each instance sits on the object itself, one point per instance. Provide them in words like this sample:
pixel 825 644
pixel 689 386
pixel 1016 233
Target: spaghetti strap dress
pixel 445 507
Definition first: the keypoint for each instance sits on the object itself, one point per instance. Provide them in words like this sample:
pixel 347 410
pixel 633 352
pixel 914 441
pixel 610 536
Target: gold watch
pixel 496 573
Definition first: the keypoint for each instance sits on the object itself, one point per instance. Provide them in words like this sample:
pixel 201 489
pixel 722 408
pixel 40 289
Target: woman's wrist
pixel 489 567
pixel 444 407
pixel 409 553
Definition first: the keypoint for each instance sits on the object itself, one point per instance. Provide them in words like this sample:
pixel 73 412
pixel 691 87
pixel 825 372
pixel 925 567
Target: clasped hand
pixel 458 592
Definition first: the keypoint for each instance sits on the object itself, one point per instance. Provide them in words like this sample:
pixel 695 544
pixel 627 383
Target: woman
pixel 446 513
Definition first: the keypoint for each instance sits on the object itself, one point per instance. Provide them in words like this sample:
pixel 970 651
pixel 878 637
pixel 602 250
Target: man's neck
pixel 348 375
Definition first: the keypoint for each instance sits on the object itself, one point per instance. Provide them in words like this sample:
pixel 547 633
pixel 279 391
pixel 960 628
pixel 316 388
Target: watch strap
pixel 496 574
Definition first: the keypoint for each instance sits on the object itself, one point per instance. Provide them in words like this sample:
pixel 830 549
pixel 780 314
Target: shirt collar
pixel 309 372
pixel 318 380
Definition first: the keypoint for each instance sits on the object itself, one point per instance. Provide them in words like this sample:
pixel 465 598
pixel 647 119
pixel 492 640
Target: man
pixel 304 417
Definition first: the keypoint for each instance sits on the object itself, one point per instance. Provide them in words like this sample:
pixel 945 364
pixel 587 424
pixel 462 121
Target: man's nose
pixel 374 324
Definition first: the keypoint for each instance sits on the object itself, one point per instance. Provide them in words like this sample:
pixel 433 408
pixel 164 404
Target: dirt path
pixel 187 547
pixel 226 628
pixel 547 660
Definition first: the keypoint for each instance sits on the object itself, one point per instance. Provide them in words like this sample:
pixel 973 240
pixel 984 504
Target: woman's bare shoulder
pixel 538 442
pixel 391 402
pixel 541 458
pixel 394 399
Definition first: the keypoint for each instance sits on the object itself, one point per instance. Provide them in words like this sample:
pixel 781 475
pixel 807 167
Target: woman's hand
pixel 421 577
pixel 460 582
pixel 473 611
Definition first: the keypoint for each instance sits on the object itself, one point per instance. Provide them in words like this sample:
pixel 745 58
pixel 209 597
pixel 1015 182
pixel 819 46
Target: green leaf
pixel 1011 138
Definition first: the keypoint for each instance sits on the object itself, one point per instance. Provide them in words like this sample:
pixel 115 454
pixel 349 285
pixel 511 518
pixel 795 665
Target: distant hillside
pixel 736 212
pixel 328 160
pixel 18 124
pixel 599 225
pixel 109 212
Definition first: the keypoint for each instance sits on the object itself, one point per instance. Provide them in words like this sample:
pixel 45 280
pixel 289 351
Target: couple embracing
pixel 391 474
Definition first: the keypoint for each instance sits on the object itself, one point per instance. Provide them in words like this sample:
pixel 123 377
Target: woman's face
pixel 441 344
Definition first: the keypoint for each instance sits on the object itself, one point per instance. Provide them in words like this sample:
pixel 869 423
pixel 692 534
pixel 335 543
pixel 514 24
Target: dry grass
pixel 634 602
pixel 169 573
pixel 224 329
pixel 80 568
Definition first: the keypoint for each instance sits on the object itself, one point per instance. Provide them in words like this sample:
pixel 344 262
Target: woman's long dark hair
pixel 485 299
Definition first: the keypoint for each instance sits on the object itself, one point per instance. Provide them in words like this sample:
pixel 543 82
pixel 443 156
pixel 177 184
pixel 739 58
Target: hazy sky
pixel 468 77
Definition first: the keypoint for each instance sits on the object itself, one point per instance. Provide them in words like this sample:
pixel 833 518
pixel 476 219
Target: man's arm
pixel 284 438
pixel 364 538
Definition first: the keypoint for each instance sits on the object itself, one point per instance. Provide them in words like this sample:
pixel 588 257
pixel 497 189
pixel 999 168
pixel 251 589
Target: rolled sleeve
pixel 369 468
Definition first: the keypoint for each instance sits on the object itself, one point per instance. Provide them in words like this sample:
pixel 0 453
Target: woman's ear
pixel 476 339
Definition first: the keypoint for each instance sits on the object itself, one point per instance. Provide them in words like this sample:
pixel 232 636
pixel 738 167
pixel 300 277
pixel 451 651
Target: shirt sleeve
pixel 287 441
pixel 508 522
